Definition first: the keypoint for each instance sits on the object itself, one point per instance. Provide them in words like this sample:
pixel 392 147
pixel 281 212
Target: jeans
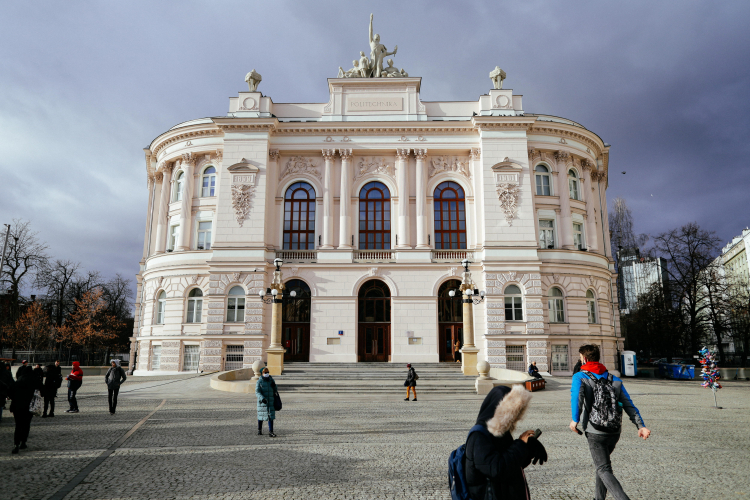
pixel 112 393
pixel 601 447
pixel 23 425
pixel 270 425
pixel 72 398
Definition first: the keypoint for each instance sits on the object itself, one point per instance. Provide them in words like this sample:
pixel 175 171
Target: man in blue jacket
pixel 600 417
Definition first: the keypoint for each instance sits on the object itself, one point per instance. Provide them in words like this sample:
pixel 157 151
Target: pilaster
pixel 345 203
pixel 402 180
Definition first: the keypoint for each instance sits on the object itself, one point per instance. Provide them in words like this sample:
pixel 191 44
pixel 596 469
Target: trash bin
pixel 677 371
pixel 628 363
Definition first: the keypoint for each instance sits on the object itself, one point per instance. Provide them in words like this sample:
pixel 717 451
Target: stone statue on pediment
pixel 355 72
pixel 378 52
pixel 497 76
pixel 364 65
pixel 372 67
pixel 253 79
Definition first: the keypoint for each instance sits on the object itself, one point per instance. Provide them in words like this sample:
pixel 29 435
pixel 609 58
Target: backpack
pixel 604 415
pixel 456 471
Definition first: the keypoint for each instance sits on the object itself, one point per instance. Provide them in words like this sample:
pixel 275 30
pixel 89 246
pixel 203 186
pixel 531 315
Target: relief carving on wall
pixel 300 165
pixel 375 166
pixel 508 194
pixel 440 164
pixel 242 195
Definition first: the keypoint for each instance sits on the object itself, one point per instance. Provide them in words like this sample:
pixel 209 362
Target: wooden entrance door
pixel 374 342
pixel 295 337
pixel 449 334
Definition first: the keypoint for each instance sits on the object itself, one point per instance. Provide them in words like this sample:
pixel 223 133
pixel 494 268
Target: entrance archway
pixel 374 332
pixel 295 321
pixel 450 321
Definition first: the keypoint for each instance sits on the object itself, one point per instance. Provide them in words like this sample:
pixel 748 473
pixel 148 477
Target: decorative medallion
pixel 300 165
pixel 194 279
pixel 508 194
pixel 374 271
pixel 562 141
pixel 242 195
pixel 374 166
pixel 236 276
pixel 441 164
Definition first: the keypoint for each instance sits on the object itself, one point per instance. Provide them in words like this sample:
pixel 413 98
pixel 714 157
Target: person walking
pixel 411 382
pixel 114 378
pixel 494 459
pixel 21 396
pixel 264 391
pixel 457 351
pixel 52 382
pixel 534 371
pixel 597 399
pixel 6 384
pixel 75 380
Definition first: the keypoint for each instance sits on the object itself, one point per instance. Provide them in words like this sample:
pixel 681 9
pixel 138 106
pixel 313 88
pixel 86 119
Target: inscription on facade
pixel 243 179
pixel 374 104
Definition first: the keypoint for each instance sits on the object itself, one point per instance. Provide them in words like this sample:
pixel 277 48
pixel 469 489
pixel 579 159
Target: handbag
pixel 276 400
pixel 37 404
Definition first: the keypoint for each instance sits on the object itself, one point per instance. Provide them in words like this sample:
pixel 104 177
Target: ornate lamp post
pixel 469 295
pixel 275 351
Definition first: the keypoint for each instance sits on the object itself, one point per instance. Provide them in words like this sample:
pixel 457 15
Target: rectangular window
pixel 204 235
pixel 591 306
pixel 194 310
pixel 573 186
pixel 190 358
pixel 514 359
pixel 542 185
pixel 156 357
pixel 236 310
pixel 513 309
pixel 546 234
pixel 556 312
pixel 560 358
pixel 235 357
pixel 578 235
pixel 174 232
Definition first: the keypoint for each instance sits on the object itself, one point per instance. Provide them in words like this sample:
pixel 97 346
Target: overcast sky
pixel 85 86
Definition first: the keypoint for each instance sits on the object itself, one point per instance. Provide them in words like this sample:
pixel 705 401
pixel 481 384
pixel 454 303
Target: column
pixel 328 199
pixel 469 351
pixel 149 216
pixel 402 180
pixel 590 199
pixel 345 200
pixel 475 155
pixel 161 223
pixel 275 351
pixel 186 208
pixel 421 186
pixel 566 220
pixel 272 215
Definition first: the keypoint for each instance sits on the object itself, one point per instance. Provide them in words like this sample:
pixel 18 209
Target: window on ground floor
pixel 235 357
pixel 560 358
pixel 156 357
pixel 514 359
pixel 190 359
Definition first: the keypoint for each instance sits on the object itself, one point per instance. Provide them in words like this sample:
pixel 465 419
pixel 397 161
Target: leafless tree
pixel 118 293
pixel 715 300
pixel 621 228
pixel 56 278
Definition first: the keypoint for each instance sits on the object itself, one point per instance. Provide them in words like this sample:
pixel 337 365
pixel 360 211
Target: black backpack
pixel 605 414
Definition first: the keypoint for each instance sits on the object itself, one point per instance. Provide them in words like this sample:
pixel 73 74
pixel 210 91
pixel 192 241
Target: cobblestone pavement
pixel 202 444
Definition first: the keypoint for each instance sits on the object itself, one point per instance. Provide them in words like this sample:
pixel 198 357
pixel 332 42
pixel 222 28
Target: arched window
pixel 374 302
pixel 556 306
pixel 209 182
pixel 542 181
pixel 194 305
pixel 575 193
pixel 236 305
pixel 161 305
pixel 299 217
pixel 374 217
pixel 513 303
pixel 179 184
pixel 297 309
pixel 450 310
pixel 450 217
pixel 591 306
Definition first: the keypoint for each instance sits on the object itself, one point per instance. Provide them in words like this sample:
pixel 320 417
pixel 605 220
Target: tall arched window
pixel 194 305
pixel 299 217
pixel 450 217
pixel 513 303
pixel 161 305
pixel 591 306
pixel 209 182
pixel 236 305
pixel 542 181
pixel 374 217
pixel 179 184
pixel 556 306
pixel 575 193
pixel 374 302
pixel 450 310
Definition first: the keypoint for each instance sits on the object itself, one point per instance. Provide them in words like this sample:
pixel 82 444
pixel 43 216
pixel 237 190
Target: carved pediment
pixel 454 164
pixel 300 165
pixel 375 166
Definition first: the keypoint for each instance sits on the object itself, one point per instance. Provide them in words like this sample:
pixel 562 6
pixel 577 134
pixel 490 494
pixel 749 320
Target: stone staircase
pixel 434 378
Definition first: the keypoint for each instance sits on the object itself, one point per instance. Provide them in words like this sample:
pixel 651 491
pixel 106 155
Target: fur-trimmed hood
pixel 503 408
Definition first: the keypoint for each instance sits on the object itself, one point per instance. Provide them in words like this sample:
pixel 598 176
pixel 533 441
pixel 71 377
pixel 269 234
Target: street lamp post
pixel 470 296
pixel 275 351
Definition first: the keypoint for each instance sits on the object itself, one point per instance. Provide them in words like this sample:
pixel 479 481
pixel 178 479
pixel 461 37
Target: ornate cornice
pixel 184 136
pixel 372 128
pixel 562 132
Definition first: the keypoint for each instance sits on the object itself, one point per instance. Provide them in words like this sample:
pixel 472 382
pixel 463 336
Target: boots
pixel 15 450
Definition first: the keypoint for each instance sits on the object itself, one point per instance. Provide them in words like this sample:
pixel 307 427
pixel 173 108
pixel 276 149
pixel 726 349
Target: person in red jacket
pixel 75 379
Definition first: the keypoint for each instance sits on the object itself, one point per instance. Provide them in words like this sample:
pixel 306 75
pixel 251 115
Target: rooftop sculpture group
pixel 372 67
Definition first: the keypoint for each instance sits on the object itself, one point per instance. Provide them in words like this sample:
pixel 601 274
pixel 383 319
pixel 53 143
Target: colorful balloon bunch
pixel 710 370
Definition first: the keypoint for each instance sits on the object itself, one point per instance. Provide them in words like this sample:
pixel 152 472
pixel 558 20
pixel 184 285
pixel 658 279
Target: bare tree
pixel 56 278
pixel 716 304
pixel 621 228
pixel 117 294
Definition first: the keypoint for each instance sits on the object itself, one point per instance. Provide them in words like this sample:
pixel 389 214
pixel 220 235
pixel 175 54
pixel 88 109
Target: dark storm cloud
pixel 86 85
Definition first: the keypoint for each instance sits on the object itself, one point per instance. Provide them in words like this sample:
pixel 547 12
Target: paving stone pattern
pixel 202 444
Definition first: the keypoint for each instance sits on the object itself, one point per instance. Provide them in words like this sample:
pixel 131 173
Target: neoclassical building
pixel 372 200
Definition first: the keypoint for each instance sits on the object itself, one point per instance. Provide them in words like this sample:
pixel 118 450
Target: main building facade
pixel 372 200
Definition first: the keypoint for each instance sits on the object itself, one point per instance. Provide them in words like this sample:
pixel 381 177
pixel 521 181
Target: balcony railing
pixel 297 255
pixel 451 255
pixel 374 255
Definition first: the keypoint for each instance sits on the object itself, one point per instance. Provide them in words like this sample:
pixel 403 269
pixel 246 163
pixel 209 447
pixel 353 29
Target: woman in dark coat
pixel 22 394
pixel 6 384
pixel 498 461
pixel 52 382
pixel 264 391
pixel 411 382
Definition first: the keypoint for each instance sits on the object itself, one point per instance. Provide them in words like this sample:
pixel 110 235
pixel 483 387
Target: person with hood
pixel 6 384
pixel 264 391
pixel 592 378
pixel 21 396
pixel 411 382
pixel 114 378
pixel 75 380
pixel 497 461
pixel 52 382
